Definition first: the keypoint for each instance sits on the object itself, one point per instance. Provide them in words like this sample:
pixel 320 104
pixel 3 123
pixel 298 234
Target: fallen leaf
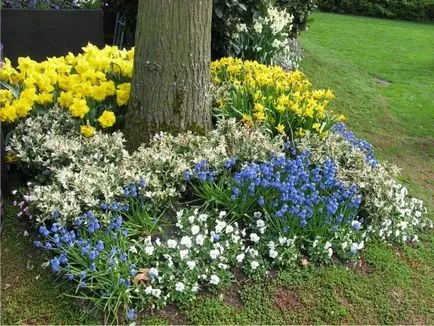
pixel 142 276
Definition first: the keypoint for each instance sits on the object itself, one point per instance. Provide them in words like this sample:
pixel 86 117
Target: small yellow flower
pixel 107 119
pixel 87 131
pixel 280 128
pixel 247 119
pixel 11 158
pixel 341 118
pixel 317 127
pixel 300 132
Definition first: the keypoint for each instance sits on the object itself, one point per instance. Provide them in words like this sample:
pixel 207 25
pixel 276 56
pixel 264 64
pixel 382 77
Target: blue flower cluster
pixel 296 194
pixel 360 144
pixel 88 250
pixel 202 171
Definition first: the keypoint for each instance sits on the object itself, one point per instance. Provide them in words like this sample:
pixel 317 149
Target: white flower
pixel 344 245
pixel 253 253
pixel 220 226
pixel 260 223
pixel 240 257
pixel 327 245
pixel 330 252
pixel 282 240
pixel 273 253
pixel 361 245
pixel 241 27
pixel 191 264
pixel 222 214
pixel 149 250
pixel 214 279
pixel 186 241
pixel 180 287
pixel 214 253
pixel 132 249
pixel 183 254
pixel 153 272
pixel 171 243
pixel 276 44
pixel 156 293
pixel 195 229
pixel 229 229
pixel 257 27
pixel 254 237
pixel 254 264
pixel 202 218
pixel 315 243
pixel 195 288
pixel 222 266
pixel 257 214
pixel 148 290
pixel 200 239
pixel 191 218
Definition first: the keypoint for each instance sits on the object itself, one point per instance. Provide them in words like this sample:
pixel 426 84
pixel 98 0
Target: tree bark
pixel 170 85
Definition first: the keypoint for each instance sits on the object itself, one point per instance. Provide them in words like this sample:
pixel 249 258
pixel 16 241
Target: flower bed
pixel 277 180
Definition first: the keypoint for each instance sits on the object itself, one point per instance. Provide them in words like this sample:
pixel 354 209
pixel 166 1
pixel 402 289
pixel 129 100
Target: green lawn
pixel 355 57
pixel 382 72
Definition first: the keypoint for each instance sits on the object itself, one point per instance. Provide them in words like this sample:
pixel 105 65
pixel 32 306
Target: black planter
pixel 40 33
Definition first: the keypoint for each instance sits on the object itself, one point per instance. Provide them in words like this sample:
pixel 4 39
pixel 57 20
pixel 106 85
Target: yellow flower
pixel 8 113
pixel 341 118
pixel 123 93
pixel 11 158
pixel 65 99
pixel 247 119
pixel 317 127
pixel 260 115
pixel 79 108
pixel 45 98
pixel 280 128
pixel 107 119
pixel 87 131
pixel 280 108
pixel 300 132
pixel 258 107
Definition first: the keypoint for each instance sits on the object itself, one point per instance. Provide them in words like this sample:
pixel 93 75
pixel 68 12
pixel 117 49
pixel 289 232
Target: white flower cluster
pixel 390 212
pixel 266 39
pixel 201 253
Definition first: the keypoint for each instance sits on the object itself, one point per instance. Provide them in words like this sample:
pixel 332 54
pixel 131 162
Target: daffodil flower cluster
pixel 93 86
pixel 280 102
pixel 265 39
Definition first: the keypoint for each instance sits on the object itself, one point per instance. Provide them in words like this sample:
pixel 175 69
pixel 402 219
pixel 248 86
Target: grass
pixel 382 73
pixel 353 56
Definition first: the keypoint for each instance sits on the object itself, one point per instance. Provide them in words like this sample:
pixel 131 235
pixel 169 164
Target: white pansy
pixel 149 250
pixel 254 237
pixel 183 254
pixel 254 264
pixel 180 287
pixel 214 253
pixel 186 241
pixel 260 223
pixel 195 229
pixel 200 239
pixel 240 257
pixel 191 264
pixel 171 243
pixel 214 279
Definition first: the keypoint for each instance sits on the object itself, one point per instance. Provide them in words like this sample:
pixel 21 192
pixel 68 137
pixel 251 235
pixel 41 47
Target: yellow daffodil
pixel 107 119
pixel 87 130
pixel 280 128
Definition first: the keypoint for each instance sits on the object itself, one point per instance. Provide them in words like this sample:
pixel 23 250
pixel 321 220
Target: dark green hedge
pixel 396 9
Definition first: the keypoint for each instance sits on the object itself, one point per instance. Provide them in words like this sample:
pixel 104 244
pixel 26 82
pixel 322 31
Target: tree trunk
pixel 169 90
